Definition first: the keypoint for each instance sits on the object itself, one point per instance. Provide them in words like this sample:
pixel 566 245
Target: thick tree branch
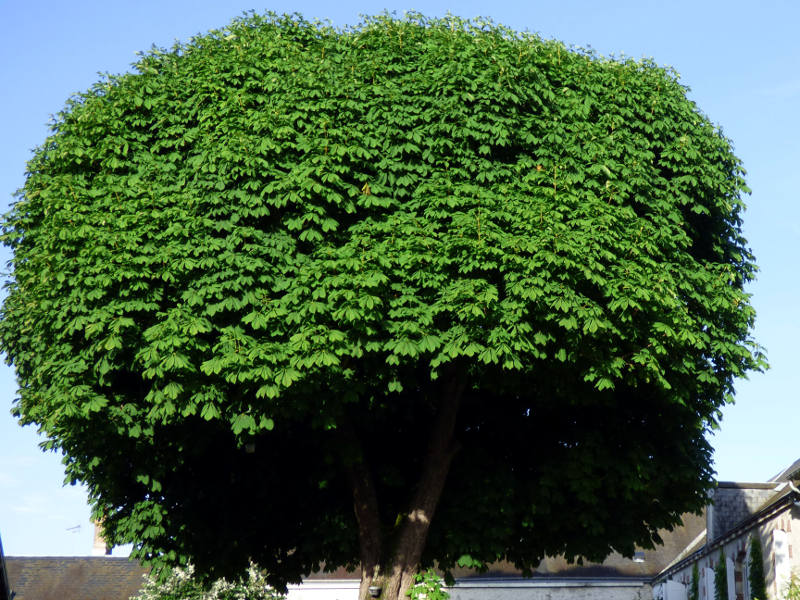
pixel 442 448
pixel 365 506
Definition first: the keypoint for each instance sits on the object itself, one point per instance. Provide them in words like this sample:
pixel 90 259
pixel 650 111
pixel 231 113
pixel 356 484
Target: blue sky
pixel 740 59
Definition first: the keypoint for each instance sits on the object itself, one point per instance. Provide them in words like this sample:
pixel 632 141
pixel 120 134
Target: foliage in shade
pixel 755 570
pixel 264 257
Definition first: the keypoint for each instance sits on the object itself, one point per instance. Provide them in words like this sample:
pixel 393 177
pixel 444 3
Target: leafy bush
pixel 721 578
pixel 428 586
pixel 758 585
pixel 792 591
pixel 694 589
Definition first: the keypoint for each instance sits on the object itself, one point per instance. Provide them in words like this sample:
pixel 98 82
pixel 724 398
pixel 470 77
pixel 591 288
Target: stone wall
pixel 553 589
pixel 732 503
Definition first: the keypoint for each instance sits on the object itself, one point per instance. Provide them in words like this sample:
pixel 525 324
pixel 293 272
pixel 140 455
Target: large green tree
pixel 416 291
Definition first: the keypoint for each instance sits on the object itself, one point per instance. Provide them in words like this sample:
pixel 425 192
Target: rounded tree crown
pixel 279 221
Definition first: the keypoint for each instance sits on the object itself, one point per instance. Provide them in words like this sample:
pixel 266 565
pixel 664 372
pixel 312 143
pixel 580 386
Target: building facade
pixel 738 515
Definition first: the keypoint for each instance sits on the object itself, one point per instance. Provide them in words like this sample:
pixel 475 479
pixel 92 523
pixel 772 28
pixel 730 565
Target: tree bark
pixel 365 506
pixel 394 574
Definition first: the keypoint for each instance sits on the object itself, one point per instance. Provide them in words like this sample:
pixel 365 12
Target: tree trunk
pixel 365 506
pixel 394 573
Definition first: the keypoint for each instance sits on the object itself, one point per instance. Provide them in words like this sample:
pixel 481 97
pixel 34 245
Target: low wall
pixel 496 589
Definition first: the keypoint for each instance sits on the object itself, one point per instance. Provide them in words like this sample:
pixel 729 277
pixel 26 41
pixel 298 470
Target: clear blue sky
pixel 741 60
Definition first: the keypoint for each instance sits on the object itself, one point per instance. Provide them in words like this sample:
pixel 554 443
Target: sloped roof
pixel 789 473
pixel 615 566
pixel 780 492
pixel 5 587
pixel 74 578
pixel 650 563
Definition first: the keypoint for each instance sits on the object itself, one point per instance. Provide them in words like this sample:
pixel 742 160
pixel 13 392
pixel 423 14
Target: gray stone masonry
pixel 732 503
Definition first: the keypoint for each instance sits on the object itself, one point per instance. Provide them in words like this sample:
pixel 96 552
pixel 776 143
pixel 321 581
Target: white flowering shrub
pixel 182 585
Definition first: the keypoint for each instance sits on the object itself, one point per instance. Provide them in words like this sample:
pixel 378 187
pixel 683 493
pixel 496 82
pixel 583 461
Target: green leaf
pixel 243 422
pixel 209 412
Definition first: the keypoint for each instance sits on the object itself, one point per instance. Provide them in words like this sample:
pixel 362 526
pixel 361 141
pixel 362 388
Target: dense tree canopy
pixel 415 291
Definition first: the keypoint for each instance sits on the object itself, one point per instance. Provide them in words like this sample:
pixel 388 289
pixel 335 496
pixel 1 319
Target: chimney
pixel 100 547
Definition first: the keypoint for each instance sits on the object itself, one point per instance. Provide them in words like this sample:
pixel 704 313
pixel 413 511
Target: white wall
pixel 325 589
pixel 673 590
pixel 522 589
pixel 708 584
pixel 551 590
pixel 783 567
pixel 730 574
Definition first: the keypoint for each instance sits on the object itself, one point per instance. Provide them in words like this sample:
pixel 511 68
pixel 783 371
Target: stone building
pixel 737 514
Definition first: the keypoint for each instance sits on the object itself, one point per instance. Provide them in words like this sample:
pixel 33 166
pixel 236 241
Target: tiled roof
pixel 5 588
pixel 74 578
pixel 651 562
